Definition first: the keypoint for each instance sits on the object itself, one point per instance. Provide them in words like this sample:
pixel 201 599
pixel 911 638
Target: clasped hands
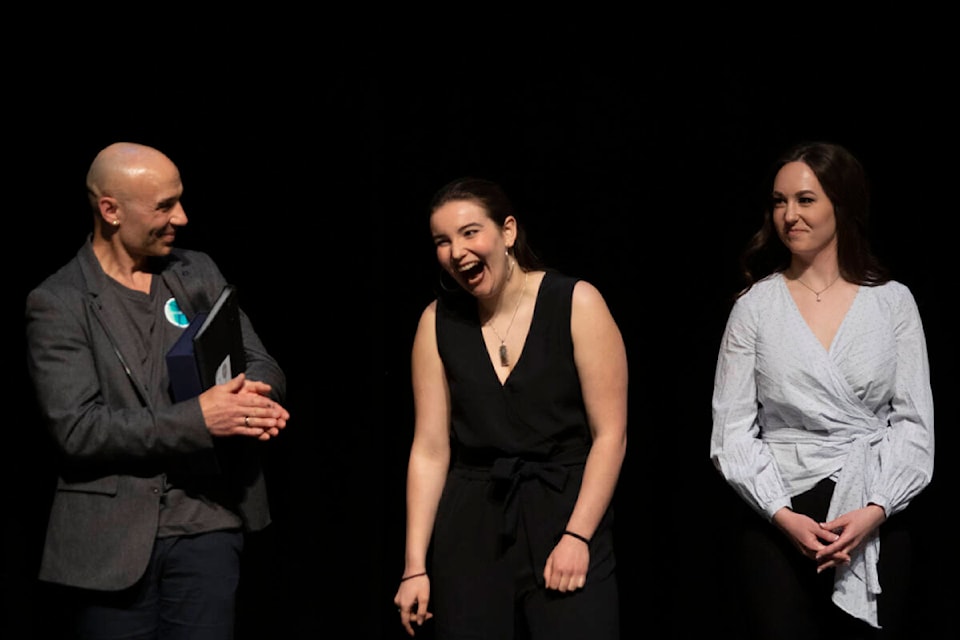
pixel 830 544
pixel 242 407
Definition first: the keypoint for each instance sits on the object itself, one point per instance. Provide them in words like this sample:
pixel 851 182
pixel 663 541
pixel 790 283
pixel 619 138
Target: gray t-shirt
pixel 190 502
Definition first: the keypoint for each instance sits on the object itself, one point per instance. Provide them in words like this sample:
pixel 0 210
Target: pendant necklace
pixel 817 293
pixel 504 358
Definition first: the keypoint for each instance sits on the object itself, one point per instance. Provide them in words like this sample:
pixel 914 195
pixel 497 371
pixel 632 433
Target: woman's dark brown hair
pixel 491 197
pixel 845 182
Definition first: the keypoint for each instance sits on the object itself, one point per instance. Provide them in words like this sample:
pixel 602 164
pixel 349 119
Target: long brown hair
pixel 845 182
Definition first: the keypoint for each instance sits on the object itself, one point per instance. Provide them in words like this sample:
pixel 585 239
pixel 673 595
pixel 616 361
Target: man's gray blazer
pixel 114 444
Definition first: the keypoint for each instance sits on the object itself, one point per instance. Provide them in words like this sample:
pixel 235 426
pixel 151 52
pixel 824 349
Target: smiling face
pixel 152 213
pixel 136 191
pixel 802 213
pixel 471 247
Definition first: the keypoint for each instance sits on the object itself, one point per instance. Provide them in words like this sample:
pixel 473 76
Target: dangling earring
pixel 456 287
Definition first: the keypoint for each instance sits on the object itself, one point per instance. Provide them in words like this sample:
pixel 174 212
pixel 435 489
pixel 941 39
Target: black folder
pixel 210 350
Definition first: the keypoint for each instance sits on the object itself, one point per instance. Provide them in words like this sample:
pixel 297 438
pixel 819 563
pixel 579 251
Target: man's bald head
pixel 135 193
pixel 119 167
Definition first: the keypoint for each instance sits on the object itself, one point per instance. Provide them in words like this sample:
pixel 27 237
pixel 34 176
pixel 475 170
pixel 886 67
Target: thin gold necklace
pixel 817 293
pixel 504 357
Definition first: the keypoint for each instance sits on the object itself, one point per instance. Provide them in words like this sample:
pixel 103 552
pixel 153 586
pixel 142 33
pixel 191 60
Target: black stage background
pixel 307 177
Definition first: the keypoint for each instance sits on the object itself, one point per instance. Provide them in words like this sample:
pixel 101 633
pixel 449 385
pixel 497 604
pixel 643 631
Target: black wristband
pixel 579 537
pixel 414 575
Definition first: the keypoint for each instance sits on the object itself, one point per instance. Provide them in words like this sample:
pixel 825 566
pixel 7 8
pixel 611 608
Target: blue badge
pixel 176 317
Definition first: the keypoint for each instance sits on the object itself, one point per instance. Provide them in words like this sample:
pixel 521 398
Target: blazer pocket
pixel 106 485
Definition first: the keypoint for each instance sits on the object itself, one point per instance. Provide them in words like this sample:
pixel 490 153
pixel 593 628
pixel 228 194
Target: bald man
pixel 153 496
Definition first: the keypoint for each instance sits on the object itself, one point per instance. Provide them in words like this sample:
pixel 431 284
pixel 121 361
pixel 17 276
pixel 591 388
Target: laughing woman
pixel 520 393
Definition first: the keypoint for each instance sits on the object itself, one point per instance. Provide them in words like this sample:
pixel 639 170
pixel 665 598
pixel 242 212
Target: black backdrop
pixel 307 176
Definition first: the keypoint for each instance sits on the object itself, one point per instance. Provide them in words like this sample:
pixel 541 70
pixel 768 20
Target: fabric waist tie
pixel 857 585
pixel 534 490
pixel 511 474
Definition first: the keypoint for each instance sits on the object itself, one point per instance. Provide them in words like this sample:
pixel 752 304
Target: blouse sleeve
pixel 905 455
pixel 736 449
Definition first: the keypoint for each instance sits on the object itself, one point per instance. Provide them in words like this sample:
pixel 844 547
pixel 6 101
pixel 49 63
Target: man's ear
pixel 109 208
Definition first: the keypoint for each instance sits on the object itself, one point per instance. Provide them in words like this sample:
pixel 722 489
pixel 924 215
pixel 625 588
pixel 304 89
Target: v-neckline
pixel 491 362
pixel 827 349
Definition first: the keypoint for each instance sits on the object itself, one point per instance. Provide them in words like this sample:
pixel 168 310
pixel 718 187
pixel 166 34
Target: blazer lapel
pixel 171 277
pixel 105 307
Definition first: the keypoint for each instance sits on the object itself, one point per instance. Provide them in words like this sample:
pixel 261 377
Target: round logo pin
pixel 174 316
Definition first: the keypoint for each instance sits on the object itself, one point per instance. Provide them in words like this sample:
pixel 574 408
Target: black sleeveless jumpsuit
pixel 518 452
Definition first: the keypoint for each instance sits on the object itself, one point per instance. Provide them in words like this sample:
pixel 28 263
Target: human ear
pixel 509 230
pixel 108 210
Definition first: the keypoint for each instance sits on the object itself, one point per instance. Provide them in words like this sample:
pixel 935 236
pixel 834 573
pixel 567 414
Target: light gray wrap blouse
pixel 788 413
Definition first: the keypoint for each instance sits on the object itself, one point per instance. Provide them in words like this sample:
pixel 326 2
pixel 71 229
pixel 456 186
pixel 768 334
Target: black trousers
pixel 784 597
pixel 485 589
pixel 508 604
pixel 187 592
